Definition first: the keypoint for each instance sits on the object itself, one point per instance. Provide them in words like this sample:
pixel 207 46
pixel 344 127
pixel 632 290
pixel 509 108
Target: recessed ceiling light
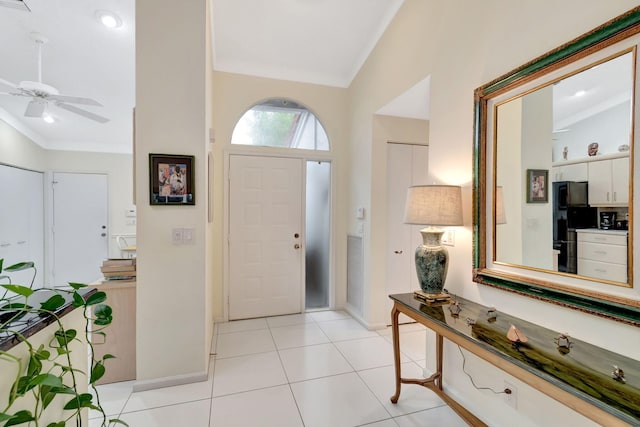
pixel 580 93
pixel 48 118
pixel 108 19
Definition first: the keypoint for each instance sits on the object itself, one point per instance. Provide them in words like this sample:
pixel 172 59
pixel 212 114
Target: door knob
pixel 103 234
pixel 397 252
pixel 296 235
pixel 296 246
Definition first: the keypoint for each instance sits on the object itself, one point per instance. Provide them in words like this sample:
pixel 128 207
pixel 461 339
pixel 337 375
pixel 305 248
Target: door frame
pixel 48 220
pixel 304 156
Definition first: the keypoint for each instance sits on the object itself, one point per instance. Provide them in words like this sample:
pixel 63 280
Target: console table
pixel 579 375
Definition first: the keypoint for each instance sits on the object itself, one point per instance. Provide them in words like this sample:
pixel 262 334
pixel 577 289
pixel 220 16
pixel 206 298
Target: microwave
pixel 570 194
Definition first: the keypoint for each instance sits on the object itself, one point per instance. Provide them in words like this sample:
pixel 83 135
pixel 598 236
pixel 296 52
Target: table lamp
pixel 434 206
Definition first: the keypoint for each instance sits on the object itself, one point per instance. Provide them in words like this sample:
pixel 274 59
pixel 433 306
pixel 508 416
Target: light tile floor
pixel 320 369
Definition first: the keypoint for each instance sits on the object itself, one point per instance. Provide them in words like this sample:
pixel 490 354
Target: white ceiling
pixel 314 41
pixel 82 58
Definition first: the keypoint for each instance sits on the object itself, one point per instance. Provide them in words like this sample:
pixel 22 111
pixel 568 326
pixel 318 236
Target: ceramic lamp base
pixel 432 261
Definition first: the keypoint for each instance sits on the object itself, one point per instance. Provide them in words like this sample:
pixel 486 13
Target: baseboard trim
pixel 370 326
pixel 169 381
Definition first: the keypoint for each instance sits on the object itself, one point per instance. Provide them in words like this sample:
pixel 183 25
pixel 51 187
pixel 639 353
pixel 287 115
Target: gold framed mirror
pixel 553 174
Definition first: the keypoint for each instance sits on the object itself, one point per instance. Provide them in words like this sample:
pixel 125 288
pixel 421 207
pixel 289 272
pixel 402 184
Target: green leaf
pixel 47 380
pixel 108 356
pixel 97 372
pixel 22 385
pixel 47 394
pixel 20 417
pixel 103 310
pixel 64 337
pixel 78 301
pixel 1 262
pixel 79 401
pixel 117 421
pixel 97 298
pixel 58 424
pixel 64 390
pixel 42 353
pixel 20 266
pixel 77 286
pixel 19 289
pixel 35 366
pixel 53 303
pixel 15 306
pixel 3 416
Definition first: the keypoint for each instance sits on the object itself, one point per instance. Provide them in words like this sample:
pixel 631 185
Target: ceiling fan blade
pixel 83 113
pixel 35 108
pixel 74 100
pixel 8 83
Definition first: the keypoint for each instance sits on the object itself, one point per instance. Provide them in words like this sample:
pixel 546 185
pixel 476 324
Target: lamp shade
pixel 434 205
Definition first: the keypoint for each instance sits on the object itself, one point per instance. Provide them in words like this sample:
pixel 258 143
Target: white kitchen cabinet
pixel 603 254
pixel 571 172
pixel 609 182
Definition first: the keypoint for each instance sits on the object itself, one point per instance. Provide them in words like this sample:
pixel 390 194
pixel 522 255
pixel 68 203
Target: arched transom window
pixel 279 122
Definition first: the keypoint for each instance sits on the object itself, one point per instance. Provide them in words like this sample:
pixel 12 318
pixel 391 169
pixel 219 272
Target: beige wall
pixel 173 337
pixel 462 45
pixel 18 150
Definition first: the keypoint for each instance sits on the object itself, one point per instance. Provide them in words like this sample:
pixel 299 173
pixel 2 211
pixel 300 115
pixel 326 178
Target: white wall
pixel 463 45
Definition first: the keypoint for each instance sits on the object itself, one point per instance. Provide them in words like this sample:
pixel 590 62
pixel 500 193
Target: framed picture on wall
pixel 171 179
pixel 537 186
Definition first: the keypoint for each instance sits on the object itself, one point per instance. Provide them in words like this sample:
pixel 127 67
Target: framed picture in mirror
pixel 537 187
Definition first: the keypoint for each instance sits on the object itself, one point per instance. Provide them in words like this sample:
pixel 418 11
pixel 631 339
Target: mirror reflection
pixel 562 155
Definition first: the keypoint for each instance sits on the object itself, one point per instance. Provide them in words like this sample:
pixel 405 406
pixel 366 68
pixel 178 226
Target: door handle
pixel 397 252
pixel 296 246
pixel 103 234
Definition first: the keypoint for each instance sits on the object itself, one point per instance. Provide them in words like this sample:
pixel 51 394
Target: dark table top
pixel 33 323
pixel 585 370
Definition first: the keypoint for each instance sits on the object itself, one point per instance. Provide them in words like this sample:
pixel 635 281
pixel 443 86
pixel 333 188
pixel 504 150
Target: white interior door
pixel 265 236
pixel 407 165
pixel 80 227
pixel 22 222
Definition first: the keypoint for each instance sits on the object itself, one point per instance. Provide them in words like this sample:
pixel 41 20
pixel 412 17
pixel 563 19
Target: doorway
pixel 279 235
pixel 407 165
pixel 79 229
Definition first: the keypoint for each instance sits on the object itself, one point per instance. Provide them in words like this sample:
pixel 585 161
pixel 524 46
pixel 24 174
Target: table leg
pixel 438 378
pixel 396 350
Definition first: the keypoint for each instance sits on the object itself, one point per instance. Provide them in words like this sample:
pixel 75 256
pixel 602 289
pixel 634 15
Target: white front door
pixel 80 227
pixel 265 236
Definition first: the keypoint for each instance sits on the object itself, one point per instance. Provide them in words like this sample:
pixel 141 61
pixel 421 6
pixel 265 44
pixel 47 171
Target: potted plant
pixel 46 381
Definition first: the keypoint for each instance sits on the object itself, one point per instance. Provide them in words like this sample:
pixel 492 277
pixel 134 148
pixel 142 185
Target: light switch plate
pixel 449 238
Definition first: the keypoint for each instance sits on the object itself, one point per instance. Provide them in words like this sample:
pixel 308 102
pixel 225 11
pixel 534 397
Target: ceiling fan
pixel 43 95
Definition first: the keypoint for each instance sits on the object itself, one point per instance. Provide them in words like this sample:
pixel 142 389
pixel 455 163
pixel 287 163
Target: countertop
pixel 600 231
pixel 32 323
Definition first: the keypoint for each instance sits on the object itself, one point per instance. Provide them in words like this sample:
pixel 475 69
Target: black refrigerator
pixel 571 211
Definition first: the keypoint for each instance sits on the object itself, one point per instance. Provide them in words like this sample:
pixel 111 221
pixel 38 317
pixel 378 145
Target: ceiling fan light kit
pixel 43 95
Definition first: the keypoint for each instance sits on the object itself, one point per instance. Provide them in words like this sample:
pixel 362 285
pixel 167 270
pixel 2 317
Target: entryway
pixel 279 235
pixel 79 229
